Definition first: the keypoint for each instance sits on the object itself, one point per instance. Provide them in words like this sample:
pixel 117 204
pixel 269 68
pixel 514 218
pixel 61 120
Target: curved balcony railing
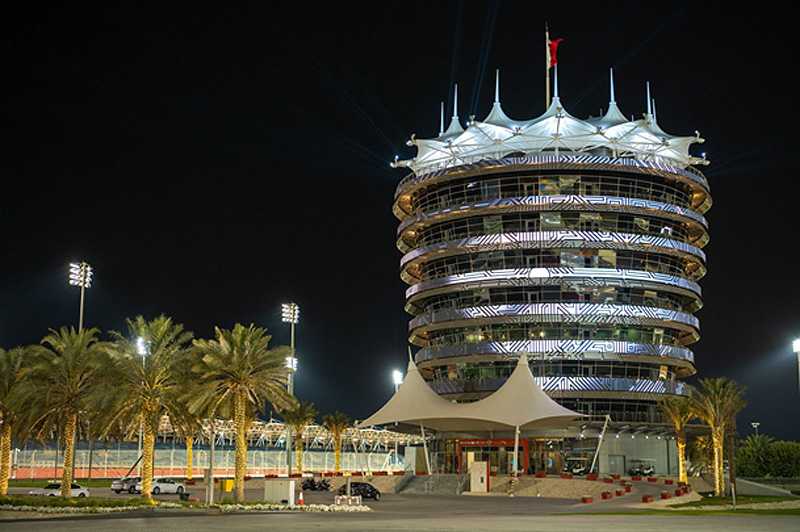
pixel 559 349
pixel 563 161
pixel 565 384
pixel 526 296
pixel 584 313
pixel 556 203
pixel 531 223
pixel 558 240
pixel 488 187
pixel 595 277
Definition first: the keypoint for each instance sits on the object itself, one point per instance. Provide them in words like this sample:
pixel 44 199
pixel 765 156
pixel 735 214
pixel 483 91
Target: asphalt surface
pixel 405 512
pixel 418 512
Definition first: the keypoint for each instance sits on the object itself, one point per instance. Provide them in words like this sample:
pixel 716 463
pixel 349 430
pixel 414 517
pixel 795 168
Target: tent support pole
pixel 516 450
pixel 425 448
pixel 599 443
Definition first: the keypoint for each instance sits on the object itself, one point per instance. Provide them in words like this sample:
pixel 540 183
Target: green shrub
pixel 72 502
pixel 761 456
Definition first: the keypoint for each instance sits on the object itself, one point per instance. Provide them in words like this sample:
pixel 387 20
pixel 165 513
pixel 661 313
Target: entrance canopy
pixel 519 402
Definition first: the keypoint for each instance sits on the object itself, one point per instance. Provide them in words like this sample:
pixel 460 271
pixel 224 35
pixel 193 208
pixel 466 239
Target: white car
pixel 54 490
pixel 163 485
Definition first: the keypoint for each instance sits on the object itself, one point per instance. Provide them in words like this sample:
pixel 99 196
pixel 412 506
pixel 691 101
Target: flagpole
pixel 546 67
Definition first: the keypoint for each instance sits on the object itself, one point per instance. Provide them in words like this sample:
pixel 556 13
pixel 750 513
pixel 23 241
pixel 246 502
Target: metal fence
pixel 107 463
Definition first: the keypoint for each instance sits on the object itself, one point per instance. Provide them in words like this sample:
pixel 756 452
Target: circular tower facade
pixel 576 242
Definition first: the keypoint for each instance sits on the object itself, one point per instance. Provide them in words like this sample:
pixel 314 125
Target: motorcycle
pixel 310 484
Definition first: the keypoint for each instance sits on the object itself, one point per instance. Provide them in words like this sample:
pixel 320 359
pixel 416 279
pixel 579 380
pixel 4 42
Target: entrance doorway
pixel 498 453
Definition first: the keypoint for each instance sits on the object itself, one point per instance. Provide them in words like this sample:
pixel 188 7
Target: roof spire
pixel 497 86
pixel 654 109
pixel 649 104
pixel 455 100
pixel 613 97
pixel 441 119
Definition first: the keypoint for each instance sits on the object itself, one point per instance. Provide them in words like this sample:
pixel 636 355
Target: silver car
pixel 163 485
pixel 125 484
pixel 54 490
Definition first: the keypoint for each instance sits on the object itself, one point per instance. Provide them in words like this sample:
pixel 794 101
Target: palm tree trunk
pixel 189 449
pixel 148 449
pixel 69 454
pixel 299 452
pixel 717 437
pixel 681 443
pixel 337 452
pixel 241 444
pixel 5 456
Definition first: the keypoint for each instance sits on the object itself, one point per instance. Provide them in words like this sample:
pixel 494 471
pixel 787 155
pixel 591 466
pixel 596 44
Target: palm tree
pixel 337 423
pixel 146 384
pixel 678 411
pixel 298 419
pixel 236 375
pixel 717 402
pixel 13 370
pixel 66 372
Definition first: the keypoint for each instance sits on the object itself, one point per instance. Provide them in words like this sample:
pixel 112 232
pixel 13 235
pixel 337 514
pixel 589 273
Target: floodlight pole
pixel 80 314
pixel 290 387
pixel 796 349
pixel 290 313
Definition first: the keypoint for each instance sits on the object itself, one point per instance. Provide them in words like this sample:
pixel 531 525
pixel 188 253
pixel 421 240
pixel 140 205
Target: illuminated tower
pixel 577 242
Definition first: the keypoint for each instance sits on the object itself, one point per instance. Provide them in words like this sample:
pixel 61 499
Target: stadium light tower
pixel 80 274
pixel 290 313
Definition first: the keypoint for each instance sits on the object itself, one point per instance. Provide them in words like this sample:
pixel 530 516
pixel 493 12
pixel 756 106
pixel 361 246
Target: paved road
pixel 418 512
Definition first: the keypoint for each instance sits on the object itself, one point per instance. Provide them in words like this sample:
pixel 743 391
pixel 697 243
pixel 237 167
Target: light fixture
pixel 80 274
pixel 796 345
pixel 290 313
pixel 141 346
pixel 397 377
pixel 291 363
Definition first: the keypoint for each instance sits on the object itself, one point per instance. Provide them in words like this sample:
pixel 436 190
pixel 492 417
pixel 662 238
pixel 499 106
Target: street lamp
pixel 796 349
pixel 397 378
pixel 755 425
pixel 80 274
pixel 290 313
pixel 142 350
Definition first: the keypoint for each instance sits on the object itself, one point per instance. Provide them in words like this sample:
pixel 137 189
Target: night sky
pixel 211 165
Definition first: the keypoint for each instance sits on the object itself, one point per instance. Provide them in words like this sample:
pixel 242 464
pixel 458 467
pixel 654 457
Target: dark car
pixel 366 490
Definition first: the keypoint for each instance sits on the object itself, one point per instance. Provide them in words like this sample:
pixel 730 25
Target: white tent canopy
pixel 518 404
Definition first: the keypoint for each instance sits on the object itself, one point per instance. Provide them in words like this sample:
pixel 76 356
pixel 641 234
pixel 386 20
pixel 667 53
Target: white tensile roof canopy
pixel 498 136
pixel 519 402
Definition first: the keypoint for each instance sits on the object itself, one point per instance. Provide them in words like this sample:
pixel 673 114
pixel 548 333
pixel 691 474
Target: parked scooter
pixel 310 484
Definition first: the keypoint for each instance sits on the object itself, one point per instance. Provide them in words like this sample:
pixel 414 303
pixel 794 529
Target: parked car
pixel 642 468
pixel 365 489
pixel 53 489
pixel 576 465
pixel 163 485
pixel 125 484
